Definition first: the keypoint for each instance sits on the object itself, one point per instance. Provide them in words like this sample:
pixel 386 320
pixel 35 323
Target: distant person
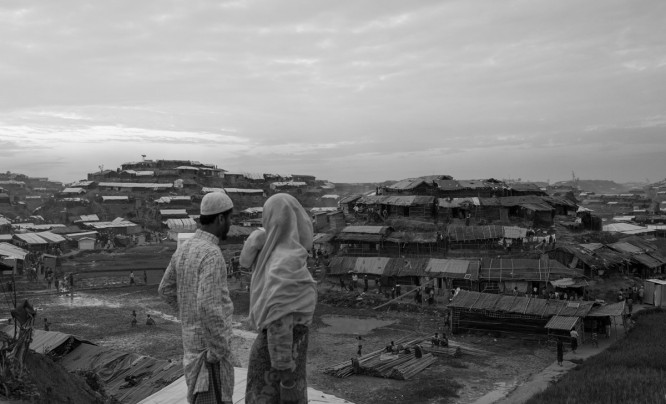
pixel 398 290
pixel 149 320
pixel 46 324
pixel 360 346
pixel 641 294
pixel 560 351
pixel 365 283
pixel 574 340
pixel 134 322
pixel 131 278
pixel 196 282
pixel 283 296
pixel 145 277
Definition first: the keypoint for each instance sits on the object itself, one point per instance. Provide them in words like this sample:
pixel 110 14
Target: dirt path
pixel 521 392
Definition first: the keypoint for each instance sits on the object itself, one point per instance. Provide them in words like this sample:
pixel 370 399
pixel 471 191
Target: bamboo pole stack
pixel 412 367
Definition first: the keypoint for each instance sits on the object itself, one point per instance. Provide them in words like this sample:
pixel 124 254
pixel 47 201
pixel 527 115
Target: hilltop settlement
pixel 533 261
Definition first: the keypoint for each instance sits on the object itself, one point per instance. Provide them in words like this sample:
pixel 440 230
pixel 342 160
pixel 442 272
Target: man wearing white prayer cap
pixel 196 283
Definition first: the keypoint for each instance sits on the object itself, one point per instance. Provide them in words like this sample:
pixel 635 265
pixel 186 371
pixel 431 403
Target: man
pixel 196 280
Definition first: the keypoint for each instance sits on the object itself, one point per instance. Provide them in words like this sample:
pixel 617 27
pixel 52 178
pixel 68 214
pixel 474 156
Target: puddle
pixel 501 390
pixel 349 325
pixel 82 300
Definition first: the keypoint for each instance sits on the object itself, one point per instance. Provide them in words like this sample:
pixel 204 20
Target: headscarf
pixel 281 282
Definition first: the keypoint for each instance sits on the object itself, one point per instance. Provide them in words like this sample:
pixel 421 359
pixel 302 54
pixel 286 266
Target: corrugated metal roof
pixel 562 323
pixel 12 251
pixel 647 260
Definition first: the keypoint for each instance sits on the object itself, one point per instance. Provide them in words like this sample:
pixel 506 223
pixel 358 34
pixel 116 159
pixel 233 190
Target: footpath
pixel 539 382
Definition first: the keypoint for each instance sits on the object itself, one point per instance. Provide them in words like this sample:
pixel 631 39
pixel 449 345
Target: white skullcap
pixel 215 202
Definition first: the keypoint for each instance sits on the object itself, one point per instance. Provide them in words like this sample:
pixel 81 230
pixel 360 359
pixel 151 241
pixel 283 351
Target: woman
pixel 282 302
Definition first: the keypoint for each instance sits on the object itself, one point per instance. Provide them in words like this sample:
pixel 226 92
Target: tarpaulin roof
pixel 626 248
pixel 458 202
pixel 466 233
pixel 565 323
pixel 648 260
pixel 453 268
pixel 46 341
pixel 51 237
pixel 350 198
pixel 151 185
pixel 537 207
pixel 181 224
pixel 31 238
pixel 176 392
pixel 86 234
pixel 112 366
pixel 110 225
pixel 519 304
pixel 362 237
pixel 397 200
pixel 381 230
pixel 569 283
pixel 406 184
pixel 169 199
pixel 240 231
pixel 514 232
pixel 87 218
pixel 173 212
pixel 371 265
pixel 615 309
pixel 322 238
pixel 412 266
pixel 114 198
pixel 12 251
pixel 243 191
pixel 342 265
pixel 623 228
pixel 73 191
pixel 507 269
pixel 412 237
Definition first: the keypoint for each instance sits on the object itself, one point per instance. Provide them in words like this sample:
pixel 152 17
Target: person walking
pixel 131 278
pixel 46 324
pixel 195 282
pixel 283 296
pixel 145 277
pixel 574 340
pixel 560 351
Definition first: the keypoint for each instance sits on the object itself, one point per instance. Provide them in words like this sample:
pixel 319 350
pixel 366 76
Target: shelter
pixel 463 237
pixel 505 274
pixel 412 206
pixel 86 243
pixel 450 273
pixel 412 186
pixel 561 326
pixel 449 208
pixel 362 240
pixel 655 292
pixel 348 203
pixel 509 314
pixel 403 243
pixel 12 255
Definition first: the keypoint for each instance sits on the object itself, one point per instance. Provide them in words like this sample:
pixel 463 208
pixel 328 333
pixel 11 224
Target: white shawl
pixel 281 282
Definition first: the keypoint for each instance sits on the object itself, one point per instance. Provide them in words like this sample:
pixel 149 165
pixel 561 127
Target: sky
pixel 361 91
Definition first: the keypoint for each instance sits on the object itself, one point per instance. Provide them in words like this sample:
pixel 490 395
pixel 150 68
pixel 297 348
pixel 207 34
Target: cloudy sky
pixel 347 91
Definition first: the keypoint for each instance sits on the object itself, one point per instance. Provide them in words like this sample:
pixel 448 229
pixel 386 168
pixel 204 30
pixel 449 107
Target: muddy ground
pixel 103 317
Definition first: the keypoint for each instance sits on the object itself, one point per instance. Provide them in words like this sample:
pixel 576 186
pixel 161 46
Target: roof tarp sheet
pixel 514 232
pixel 562 323
pixel 31 238
pixel 51 237
pixel 647 260
pixel 519 304
pixel 366 229
pixel 181 224
pixel 371 265
pixel 46 341
pixel 448 203
pixel 470 233
pixel 615 309
pixel 12 251
pixel 453 268
pixel 569 283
